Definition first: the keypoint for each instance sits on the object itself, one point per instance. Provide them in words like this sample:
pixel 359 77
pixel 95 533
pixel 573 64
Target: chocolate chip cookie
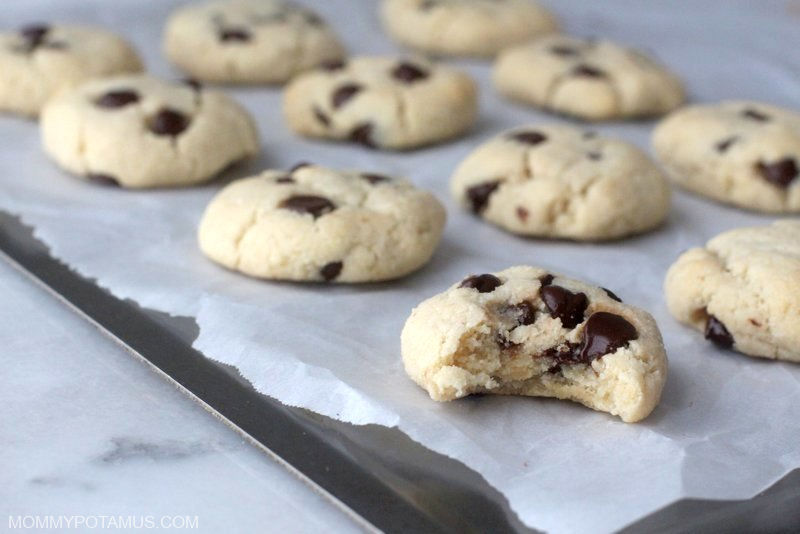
pixel 526 331
pixel 559 181
pixel 318 224
pixel 138 131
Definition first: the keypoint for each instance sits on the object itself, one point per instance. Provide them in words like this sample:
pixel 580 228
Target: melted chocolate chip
pixel 362 134
pixel 565 305
pixel 605 333
pixel 34 33
pixel 409 73
pixel 344 93
pixel 529 137
pixel 588 71
pixel 523 313
pixel 780 173
pixel 375 178
pixel 566 354
pixel 546 280
pixel 102 179
pixel 479 194
pixel 717 333
pixel 611 294
pixel 725 144
pixel 311 204
pixel 484 283
pixel 169 122
pixel 117 99
pixel 332 65
pixel 239 35
pixel 755 115
pixel 522 214
pixel 299 165
pixel 331 270
pixel 321 117
pixel 564 50
pixel 285 180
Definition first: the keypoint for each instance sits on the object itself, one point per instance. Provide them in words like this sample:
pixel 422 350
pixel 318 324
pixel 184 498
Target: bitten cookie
pixel 479 28
pixel 248 41
pixel 743 290
pixel 137 131
pixel 37 61
pixel 561 182
pixel 741 153
pixel 524 331
pixel 318 224
pixel 593 80
pixel 382 102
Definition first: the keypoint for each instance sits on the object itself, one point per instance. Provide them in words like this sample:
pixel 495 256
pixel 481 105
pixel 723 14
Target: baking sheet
pixel 727 425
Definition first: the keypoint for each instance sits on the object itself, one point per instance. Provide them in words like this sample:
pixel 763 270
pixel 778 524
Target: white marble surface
pixel 88 431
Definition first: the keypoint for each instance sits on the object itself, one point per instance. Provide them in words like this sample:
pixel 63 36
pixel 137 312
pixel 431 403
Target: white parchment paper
pixel 727 427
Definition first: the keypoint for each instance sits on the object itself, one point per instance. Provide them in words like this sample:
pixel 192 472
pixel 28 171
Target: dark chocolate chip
pixel 522 213
pixel 299 165
pixel 611 294
pixel 564 50
pixel 569 353
pixel 117 99
pixel 344 93
pixel 409 73
pixel 755 115
pixel 725 144
pixel 523 313
pixel 375 178
pixel 565 305
pixel 484 283
pixel 479 194
pixel 588 71
pixel 504 342
pixel 717 333
pixel 169 122
pixel 780 173
pixel 321 117
pixel 34 34
pixel 285 180
pixel 311 204
pixel 546 280
pixel 331 270
pixel 332 65
pixel 362 134
pixel 529 137
pixel 102 179
pixel 595 156
pixel 239 35
pixel 194 84
pixel 603 334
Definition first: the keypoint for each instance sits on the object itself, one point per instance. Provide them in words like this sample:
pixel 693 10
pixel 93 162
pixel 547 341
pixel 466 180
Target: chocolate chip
pixel 313 19
pixel 605 333
pixel 504 342
pixel 755 115
pixel 169 122
pixel 102 179
pixel 564 50
pixel 546 280
pixel 299 165
pixel 409 73
pixel 588 71
pixel 611 294
pixel 311 204
pixel 529 137
pixel 522 213
pixel 717 333
pixel 428 4
pixel 332 65
pixel 344 93
pixel 780 173
pixel 479 194
pixel 285 180
pixel 321 117
pixel 725 144
pixel 523 313
pixel 34 34
pixel 234 35
pixel 194 84
pixel 375 178
pixel 595 156
pixel 331 270
pixel 117 99
pixel 484 283
pixel 565 305
pixel 362 134
pixel 569 353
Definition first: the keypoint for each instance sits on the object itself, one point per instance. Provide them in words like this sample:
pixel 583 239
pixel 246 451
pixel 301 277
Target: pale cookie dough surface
pixel 525 331
pixel 138 131
pixel 480 28
pixel 382 102
pixel 248 41
pixel 318 224
pixel 737 152
pixel 38 60
pixel 562 182
pixel 743 290
pixel 592 80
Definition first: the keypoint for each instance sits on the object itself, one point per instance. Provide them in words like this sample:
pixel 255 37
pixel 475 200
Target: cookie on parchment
pixel 559 181
pixel 318 224
pixel 743 290
pixel 382 102
pixel 248 41
pixel 138 131
pixel 38 60
pixel 737 152
pixel 525 331
pixel 592 80
pixel 480 28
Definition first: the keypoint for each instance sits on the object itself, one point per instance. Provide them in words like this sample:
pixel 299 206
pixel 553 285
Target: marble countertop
pixel 89 431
